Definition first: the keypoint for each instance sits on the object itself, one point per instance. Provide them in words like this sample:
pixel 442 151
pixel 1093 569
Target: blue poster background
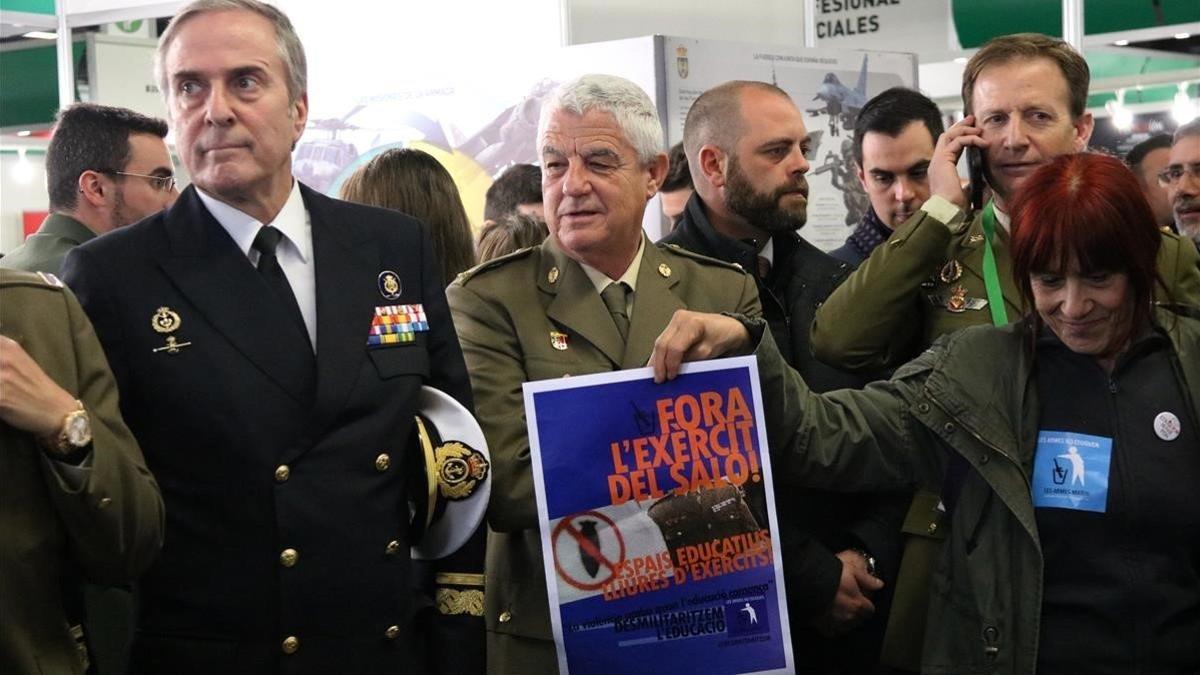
pixel 727 621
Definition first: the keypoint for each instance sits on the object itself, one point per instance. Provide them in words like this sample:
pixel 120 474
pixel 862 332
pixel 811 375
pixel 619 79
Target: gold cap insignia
pixel 459 469
pixel 165 320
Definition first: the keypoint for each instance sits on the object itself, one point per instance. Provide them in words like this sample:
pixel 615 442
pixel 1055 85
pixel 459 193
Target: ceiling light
pixel 961 60
pixel 1121 43
pixel 1182 36
pixel 24 132
pixel 1183 110
pixel 22 171
pixel 41 35
pixel 1122 117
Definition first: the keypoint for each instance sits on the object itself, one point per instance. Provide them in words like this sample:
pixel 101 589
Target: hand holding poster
pixel 658 522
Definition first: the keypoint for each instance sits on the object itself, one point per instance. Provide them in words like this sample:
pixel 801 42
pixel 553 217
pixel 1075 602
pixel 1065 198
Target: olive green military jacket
pixel 45 249
pixel 535 315
pixel 926 280
pixel 971 394
pixel 105 527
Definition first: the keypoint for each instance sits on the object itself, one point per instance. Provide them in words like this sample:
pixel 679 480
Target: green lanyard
pixel 991 279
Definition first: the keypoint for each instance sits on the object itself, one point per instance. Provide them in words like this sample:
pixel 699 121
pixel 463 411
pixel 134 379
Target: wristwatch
pixel 870 560
pixel 74 436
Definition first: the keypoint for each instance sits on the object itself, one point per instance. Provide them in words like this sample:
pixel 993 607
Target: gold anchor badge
pixel 459 469
pixel 166 320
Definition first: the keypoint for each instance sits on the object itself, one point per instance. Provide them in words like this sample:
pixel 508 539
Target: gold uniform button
pixel 282 473
pixel 382 462
pixel 552 275
pixel 288 557
pixel 505 617
pixel 104 503
pixel 933 528
pixel 393 547
pixel 392 632
pixel 290 644
pixel 664 270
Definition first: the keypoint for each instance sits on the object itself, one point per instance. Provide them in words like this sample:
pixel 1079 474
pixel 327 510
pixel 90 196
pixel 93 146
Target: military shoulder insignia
pixel 165 320
pixel 389 284
pixel 700 257
pixel 50 279
pixel 395 324
pixel 492 264
pixel 459 469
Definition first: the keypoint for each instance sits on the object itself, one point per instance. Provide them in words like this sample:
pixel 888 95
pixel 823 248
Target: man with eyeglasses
pixel 1181 178
pixel 106 167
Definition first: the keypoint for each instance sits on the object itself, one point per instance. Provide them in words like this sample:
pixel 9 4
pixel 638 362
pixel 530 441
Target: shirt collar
pixel 601 281
pixel 768 251
pixel 291 221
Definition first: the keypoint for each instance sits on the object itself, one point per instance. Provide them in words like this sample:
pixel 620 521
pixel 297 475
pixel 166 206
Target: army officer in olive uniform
pixel 591 299
pixel 77 501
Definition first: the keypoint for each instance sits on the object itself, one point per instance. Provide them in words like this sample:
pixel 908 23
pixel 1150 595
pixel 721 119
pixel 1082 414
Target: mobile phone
pixel 975 176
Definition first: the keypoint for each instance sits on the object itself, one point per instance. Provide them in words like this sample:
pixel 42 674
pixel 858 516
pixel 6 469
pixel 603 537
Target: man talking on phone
pixel 949 267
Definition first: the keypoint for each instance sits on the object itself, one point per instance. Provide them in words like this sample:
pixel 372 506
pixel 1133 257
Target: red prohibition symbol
pixel 567 526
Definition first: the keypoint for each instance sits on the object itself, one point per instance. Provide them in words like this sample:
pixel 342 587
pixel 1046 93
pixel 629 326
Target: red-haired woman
pixel 1067 443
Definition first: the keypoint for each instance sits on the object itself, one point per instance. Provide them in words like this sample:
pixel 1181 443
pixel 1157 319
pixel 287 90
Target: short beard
pixel 762 211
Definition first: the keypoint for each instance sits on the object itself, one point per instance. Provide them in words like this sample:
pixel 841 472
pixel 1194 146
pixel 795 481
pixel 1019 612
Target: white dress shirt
pixel 295 251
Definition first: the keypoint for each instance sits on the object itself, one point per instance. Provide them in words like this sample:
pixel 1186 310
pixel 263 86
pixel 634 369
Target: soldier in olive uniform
pixel 591 299
pixel 78 502
pixel 1025 98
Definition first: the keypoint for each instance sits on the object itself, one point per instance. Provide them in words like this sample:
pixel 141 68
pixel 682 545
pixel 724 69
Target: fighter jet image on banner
pixel 841 103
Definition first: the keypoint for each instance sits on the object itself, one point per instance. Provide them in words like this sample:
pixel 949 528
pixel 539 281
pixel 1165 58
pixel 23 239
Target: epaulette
pixel 699 257
pixel 492 264
pixel 9 277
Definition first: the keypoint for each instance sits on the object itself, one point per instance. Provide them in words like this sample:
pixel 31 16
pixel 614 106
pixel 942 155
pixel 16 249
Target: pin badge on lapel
pixel 389 284
pixel 950 272
pixel 558 340
pixel 166 321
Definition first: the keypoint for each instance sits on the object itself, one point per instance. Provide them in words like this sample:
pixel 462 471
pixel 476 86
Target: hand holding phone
pixel 975 175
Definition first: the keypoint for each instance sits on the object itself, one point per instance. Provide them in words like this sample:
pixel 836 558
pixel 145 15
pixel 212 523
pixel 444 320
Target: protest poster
pixel 657 521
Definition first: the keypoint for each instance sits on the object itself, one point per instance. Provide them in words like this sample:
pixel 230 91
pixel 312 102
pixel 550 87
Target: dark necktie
pixel 614 298
pixel 265 243
pixel 764 267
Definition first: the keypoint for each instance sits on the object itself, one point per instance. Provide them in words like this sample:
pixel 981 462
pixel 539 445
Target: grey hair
pixel 291 52
pixel 1184 130
pixel 629 105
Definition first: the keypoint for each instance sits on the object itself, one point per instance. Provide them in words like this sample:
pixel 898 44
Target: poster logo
pixel 747 616
pixel 681 61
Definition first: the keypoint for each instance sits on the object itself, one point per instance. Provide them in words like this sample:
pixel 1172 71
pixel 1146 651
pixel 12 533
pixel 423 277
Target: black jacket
pixel 257 454
pixel 814 524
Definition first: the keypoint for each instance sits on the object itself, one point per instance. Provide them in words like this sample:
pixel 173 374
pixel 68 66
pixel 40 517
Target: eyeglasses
pixel 159 183
pixel 1172 174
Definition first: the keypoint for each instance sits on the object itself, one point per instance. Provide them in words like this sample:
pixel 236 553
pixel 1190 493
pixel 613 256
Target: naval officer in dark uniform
pixel 269 345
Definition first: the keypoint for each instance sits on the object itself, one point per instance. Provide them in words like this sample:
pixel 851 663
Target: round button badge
pixel 1166 426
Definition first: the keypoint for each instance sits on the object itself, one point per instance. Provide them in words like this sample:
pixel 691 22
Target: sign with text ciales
pixel 886 25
